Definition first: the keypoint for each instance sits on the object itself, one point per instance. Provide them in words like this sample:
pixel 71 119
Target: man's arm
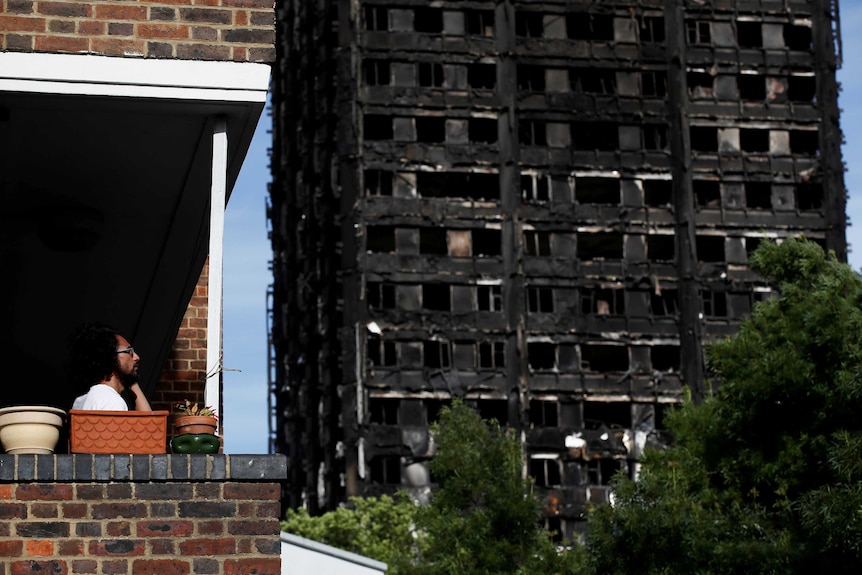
pixel 141 403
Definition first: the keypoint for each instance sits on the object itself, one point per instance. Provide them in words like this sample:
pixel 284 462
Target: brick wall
pixel 184 373
pixel 142 514
pixel 228 30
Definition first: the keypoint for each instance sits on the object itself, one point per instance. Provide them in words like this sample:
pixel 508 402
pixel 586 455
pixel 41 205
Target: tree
pixel 766 475
pixel 483 517
pixel 378 527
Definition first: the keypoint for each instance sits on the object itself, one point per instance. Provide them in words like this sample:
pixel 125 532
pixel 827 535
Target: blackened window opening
pixel 752 87
pixel 430 129
pixel 436 297
pixel 482 76
pixel 542 355
pixel 381 239
pixel 430 74
pixel 809 196
pixel 537 243
pixel 476 186
pixel 749 34
pixel 710 248
pixel 661 247
pixel 436 354
pixel 654 84
pixel 540 299
pixel 604 358
pixel 704 138
pixel 758 195
pixel 532 133
pixel 592 81
pixel 600 245
pixel 480 22
pixel 487 242
pixel 383 411
pixel 489 298
pixel 376 18
pixel 592 27
pixel 700 84
pixel 386 469
pixel 375 72
pixel 492 354
pixel 602 301
pixel 545 472
pixel 658 193
pixel 714 303
pixel 482 130
pixel 589 190
pixel 543 413
pixel 804 142
pixel 753 140
pixel 380 295
pixel 707 193
pixel 798 37
pixel 529 24
pixel 613 414
pixel 493 410
pixel 377 182
pixel 601 136
pixel 428 20
pixel 530 78
pixel 664 357
pixel 652 30
pixel 801 88
pixel 665 302
pixel 432 241
pixel 377 127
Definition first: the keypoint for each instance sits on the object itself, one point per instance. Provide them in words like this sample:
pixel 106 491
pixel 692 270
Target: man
pixel 105 365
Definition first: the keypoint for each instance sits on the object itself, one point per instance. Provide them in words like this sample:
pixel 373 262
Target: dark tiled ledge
pixel 170 467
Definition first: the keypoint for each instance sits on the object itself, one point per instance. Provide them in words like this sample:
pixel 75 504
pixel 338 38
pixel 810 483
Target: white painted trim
pixel 218 196
pixel 90 75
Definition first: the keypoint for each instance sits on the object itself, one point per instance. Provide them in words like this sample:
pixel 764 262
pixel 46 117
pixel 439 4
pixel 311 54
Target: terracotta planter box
pixel 138 432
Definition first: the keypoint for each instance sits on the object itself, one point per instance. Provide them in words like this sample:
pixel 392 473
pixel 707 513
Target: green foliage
pixel 381 528
pixel 483 517
pixel 765 475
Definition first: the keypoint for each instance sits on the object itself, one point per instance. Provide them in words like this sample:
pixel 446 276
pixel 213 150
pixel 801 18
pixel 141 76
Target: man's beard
pixel 128 379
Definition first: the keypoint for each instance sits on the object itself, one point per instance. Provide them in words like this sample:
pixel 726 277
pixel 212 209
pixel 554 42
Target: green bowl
pixel 195 443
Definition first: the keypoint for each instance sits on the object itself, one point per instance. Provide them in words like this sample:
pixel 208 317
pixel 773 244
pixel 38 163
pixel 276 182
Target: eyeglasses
pixel 129 350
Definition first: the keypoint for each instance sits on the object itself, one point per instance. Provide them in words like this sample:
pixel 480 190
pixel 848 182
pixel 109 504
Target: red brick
pixel 164 528
pixel 262 527
pixel 121 12
pixel 117 47
pixel 89 492
pixel 118 567
pixel 21 24
pixel 248 3
pixel 6 492
pixel 61 26
pixel 40 548
pixel 61 44
pixel 44 510
pixel 114 510
pixel 71 547
pixel 91 28
pixel 119 491
pixel 239 53
pixel 208 547
pixel 116 547
pixel 84 566
pixel 211 528
pixel 20 6
pixel 13 511
pixel 33 492
pixel 163 31
pixel 69 9
pixel 74 510
pixel 240 18
pixel 252 491
pixel 11 548
pixel 160 567
pixel 162 547
pixel 205 15
pixel 252 567
pixel 119 529
pixel 54 567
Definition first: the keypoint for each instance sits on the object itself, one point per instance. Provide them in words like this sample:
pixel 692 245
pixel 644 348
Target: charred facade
pixel 545 208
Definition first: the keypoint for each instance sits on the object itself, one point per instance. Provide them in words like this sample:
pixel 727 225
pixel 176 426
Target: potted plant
pixel 195 419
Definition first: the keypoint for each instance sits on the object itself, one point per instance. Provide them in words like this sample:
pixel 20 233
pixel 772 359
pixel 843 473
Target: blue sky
pixel 248 252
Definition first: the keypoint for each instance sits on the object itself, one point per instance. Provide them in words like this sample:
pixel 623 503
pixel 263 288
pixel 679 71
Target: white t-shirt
pixel 101 397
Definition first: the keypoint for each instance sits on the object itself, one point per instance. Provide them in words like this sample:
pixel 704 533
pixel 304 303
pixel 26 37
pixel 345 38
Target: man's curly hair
pixel 92 355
